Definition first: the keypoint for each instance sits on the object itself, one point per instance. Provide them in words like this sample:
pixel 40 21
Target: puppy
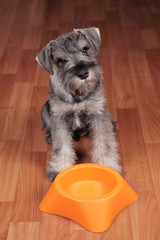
pixel 76 105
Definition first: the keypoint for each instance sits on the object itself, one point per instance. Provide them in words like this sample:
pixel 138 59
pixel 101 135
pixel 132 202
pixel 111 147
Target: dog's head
pixel 72 57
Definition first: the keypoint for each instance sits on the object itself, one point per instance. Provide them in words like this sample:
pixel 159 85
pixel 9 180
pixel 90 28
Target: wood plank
pixel 137 172
pixel 19 23
pixel 111 5
pixel 147 101
pixel 118 228
pixel 82 234
pixel 10 60
pixel 29 191
pixel 7 12
pixel 150 39
pixel 25 231
pixel 132 36
pixel 154 6
pixel 3 41
pixel 32 38
pixel 10 160
pixel 79 12
pixel 156 22
pixel 52 17
pixel 153 151
pixel 146 17
pixel 7 82
pixel 75 228
pixel 67 10
pixel 37 13
pixel 114 29
pixel 153 60
pixel 122 86
pixel 5 214
pixel 3 114
pixel 35 136
pixel 100 14
pixel 27 66
pixel 16 119
pixel 132 148
pixel 80 3
pixel 145 227
pixel 49 227
pixel 130 16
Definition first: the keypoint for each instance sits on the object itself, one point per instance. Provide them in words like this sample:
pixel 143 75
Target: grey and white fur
pixel 76 105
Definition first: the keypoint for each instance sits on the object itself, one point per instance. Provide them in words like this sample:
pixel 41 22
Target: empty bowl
pixel 90 194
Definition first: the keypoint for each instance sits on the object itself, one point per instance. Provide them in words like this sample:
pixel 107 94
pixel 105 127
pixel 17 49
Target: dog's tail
pixel 45 115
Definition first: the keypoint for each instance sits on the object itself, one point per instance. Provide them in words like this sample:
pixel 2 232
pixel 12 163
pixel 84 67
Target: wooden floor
pixel 130 58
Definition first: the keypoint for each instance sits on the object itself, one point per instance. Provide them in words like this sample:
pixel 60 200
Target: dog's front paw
pixel 111 164
pixel 51 174
pixel 117 168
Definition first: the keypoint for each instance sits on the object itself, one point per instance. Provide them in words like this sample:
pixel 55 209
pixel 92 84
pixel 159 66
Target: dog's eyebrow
pixel 59 54
pixel 82 43
pixel 81 37
pixel 71 48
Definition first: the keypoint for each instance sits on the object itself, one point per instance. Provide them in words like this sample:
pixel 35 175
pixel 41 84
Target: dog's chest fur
pixel 77 115
pixel 63 105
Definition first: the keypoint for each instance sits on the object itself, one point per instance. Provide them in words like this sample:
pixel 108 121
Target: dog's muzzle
pixel 82 70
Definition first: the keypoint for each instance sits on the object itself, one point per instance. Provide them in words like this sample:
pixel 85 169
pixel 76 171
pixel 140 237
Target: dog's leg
pixel 63 154
pixel 104 142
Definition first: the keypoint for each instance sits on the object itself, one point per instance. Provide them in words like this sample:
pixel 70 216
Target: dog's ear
pixel 93 36
pixel 45 57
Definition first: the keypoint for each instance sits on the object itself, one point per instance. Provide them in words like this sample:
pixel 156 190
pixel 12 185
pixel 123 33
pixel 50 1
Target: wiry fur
pixel 76 107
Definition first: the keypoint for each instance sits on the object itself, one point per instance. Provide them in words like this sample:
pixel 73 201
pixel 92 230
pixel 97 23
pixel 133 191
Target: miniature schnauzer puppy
pixel 76 105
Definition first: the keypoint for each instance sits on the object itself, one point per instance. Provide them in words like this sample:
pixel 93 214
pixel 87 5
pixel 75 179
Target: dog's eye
pixel 85 49
pixel 60 62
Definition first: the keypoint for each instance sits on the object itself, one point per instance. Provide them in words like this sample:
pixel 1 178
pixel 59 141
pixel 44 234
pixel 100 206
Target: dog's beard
pixel 81 87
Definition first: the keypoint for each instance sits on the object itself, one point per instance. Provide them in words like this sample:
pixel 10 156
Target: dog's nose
pixel 83 74
pixel 82 71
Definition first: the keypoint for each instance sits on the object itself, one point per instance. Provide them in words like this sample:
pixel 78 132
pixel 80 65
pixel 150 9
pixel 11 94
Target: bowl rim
pixel 60 189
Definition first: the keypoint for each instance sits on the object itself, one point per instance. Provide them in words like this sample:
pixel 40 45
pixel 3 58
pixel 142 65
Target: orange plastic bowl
pixel 89 194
